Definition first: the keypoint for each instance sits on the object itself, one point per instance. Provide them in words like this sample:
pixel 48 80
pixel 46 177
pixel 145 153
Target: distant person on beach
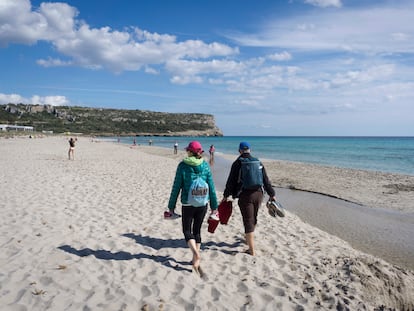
pixel 150 142
pixel 193 171
pixel 250 193
pixel 71 151
pixel 211 151
pixel 176 148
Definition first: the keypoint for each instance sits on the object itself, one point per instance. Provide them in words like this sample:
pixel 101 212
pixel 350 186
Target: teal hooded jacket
pixel 187 170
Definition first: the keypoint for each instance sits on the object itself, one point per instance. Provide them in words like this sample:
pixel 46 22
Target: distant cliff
pixel 97 121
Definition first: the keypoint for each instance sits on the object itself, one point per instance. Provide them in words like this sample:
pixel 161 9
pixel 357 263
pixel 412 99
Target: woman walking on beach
pixel 249 190
pixel 195 181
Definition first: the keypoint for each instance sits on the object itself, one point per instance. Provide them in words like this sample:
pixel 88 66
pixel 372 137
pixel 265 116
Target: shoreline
pixel 383 232
pixel 89 234
pixel 374 189
pixel 372 161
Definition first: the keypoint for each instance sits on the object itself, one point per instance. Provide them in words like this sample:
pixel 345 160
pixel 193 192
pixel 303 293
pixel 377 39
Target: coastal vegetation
pixel 100 121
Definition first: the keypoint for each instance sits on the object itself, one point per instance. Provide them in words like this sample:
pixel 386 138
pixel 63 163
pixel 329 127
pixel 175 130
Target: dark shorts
pixel 249 203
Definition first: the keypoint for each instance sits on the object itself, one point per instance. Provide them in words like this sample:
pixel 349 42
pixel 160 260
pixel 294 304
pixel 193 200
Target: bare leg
pixel 195 249
pixel 250 243
pixel 71 152
pixel 196 258
pixel 200 271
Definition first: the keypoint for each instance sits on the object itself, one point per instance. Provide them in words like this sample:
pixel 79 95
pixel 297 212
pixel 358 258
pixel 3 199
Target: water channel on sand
pixel 382 233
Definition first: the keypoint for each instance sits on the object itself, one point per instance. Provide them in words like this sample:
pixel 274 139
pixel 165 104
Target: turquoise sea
pixel 385 154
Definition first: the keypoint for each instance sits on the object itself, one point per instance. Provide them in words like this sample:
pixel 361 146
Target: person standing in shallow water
pixel 211 151
pixel 71 151
pixel 249 199
pixel 189 169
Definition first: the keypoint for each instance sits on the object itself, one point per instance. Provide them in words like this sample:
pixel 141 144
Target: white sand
pixel 89 234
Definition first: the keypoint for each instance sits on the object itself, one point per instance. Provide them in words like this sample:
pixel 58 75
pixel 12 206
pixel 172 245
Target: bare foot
pixel 250 252
pixel 199 271
pixel 196 259
pixel 195 270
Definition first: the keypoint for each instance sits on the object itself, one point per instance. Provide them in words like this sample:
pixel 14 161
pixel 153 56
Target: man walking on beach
pixel 247 181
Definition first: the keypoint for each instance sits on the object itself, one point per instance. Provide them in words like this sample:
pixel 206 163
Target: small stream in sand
pixel 382 233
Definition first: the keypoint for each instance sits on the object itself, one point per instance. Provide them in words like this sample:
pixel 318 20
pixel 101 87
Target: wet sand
pixel 388 234
pixel 382 233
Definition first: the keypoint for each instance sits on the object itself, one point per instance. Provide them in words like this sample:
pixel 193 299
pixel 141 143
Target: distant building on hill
pixel 17 128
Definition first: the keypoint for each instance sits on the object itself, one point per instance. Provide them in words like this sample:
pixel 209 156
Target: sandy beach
pixel 89 234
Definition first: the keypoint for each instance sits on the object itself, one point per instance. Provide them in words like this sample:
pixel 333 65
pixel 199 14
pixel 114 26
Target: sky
pixel 265 67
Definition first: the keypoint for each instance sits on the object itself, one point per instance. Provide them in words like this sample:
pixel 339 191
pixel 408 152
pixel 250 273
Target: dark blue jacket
pixel 233 184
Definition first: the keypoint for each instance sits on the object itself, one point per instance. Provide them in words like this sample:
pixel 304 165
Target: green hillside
pixel 96 121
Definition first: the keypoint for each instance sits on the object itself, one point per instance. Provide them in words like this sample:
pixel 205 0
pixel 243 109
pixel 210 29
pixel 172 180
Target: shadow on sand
pixel 154 243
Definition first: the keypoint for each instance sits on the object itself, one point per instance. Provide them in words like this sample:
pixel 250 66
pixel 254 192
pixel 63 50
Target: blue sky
pixel 281 67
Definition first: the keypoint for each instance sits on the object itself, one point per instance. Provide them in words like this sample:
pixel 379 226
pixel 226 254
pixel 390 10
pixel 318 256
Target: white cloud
pixel 248 102
pixel 186 68
pixel 151 70
pixel 186 79
pixel 19 24
pixel 366 29
pixel 284 56
pixel 34 100
pixel 50 62
pixel 96 48
pixel 356 77
pixel 325 3
pixel 49 100
pixel 59 18
pixel 11 98
pixel 363 76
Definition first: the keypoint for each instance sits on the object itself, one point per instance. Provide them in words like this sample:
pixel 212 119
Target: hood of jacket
pixel 193 161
